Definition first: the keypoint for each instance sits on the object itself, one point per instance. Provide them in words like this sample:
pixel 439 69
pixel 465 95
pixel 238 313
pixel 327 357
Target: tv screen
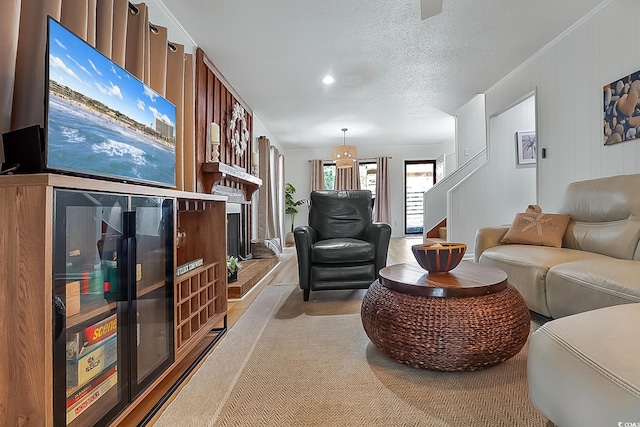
pixel 101 120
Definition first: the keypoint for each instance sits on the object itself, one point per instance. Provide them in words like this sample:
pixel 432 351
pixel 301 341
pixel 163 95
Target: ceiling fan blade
pixel 429 8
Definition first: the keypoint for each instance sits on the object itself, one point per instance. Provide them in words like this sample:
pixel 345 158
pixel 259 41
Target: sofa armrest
pixel 379 233
pixel 488 237
pixel 304 236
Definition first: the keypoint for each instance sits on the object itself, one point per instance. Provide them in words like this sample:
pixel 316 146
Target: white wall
pixel 449 151
pixel 450 163
pixel 501 188
pixel 297 170
pixel 259 129
pixel 569 75
pixel 471 129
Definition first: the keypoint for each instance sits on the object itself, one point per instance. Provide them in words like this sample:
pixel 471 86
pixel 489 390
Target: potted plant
pixel 291 208
pixel 233 265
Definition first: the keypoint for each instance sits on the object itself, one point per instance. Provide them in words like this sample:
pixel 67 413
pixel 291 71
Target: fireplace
pixel 235 231
pixel 238 220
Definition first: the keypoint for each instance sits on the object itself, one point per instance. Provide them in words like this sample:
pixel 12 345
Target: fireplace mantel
pixel 221 171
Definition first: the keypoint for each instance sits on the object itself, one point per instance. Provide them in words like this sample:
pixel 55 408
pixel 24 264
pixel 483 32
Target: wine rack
pixel 200 299
pixel 201 293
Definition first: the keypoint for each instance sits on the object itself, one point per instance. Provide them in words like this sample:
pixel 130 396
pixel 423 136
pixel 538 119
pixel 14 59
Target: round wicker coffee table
pixel 467 319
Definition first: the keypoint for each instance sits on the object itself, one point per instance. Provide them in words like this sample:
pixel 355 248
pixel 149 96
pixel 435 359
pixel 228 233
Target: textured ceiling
pixel 398 78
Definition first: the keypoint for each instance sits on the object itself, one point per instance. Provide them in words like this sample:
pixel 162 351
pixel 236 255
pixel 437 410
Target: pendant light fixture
pixel 345 155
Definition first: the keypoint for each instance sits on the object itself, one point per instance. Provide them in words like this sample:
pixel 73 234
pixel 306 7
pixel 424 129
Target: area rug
pixel 287 362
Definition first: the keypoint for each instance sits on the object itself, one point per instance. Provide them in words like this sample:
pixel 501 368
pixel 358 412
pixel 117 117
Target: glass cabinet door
pixel 90 374
pixel 113 301
pixel 152 301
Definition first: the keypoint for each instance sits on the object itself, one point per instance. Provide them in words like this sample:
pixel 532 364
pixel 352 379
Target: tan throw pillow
pixel 534 228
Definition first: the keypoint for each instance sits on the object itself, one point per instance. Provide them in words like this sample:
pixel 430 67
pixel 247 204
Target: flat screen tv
pixel 101 120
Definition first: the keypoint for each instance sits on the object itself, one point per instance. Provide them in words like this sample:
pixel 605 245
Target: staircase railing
pixel 435 199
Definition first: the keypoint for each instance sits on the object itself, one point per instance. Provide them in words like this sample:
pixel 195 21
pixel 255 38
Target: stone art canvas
pixel 621 110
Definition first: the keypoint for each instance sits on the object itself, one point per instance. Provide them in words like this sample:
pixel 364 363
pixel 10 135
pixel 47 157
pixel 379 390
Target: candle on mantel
pixel 254 163
pixel 214 134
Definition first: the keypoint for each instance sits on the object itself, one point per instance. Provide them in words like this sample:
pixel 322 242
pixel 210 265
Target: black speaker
pixel 24 150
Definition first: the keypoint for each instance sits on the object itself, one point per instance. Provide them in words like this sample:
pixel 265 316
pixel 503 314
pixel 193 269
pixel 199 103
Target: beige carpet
pixel 293 363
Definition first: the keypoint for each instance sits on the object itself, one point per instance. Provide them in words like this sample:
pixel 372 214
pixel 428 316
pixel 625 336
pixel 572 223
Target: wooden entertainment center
pixel 66 310
pixel 27 277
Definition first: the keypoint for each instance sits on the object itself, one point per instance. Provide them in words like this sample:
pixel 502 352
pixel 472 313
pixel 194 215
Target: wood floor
pixel 285 272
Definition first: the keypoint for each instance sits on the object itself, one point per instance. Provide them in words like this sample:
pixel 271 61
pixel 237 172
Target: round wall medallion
pixel 238 132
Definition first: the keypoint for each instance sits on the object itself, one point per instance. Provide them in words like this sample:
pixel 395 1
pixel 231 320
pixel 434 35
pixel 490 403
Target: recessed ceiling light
pixel 328 80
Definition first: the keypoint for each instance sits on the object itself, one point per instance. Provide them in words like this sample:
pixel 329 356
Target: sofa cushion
pixel 618 239
pixel 606 215
pixel 577 286
pixel 527 266
pixel 583 370
pixel 336 251
pixel 340 214
pixel 536 228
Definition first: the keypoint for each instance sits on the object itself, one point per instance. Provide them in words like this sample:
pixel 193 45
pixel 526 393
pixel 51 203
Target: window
pixel 329 175
pixel 368 171
pixel 419 176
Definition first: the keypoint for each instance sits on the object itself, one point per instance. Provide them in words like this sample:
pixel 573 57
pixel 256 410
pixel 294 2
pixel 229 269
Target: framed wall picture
pixel 526 147
pixel 621 112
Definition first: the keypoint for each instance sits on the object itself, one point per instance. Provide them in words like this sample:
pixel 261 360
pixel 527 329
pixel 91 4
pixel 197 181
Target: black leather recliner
pixel 341 248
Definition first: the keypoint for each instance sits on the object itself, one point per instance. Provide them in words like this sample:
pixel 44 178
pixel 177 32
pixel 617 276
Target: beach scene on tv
pixel 102 120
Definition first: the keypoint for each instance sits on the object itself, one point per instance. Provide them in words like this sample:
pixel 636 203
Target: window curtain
pixel 175 70
pixel 9 31
pixel 383 191
pixel 137 55
pixel 271 194
pixel 317 175
pixel 116 28
pixel 28 79
pixel 279 212
pixel 348 178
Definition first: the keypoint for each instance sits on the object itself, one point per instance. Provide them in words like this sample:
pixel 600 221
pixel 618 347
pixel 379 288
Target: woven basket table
pixel 467 319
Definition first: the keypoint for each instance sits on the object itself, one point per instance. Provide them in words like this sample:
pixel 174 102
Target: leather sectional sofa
pixel 584 367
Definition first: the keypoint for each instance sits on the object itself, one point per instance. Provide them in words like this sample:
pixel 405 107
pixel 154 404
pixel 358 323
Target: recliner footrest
pixel 583 369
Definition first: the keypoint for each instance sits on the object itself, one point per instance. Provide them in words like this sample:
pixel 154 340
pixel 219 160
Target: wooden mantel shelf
pixel 222 171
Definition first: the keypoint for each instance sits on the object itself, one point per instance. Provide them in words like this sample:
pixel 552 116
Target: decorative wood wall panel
pixel 214 103
pixel 215 99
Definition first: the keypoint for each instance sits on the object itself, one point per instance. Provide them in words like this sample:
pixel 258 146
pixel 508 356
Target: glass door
pixel 419 176
pixel 90 364
pixel 152 296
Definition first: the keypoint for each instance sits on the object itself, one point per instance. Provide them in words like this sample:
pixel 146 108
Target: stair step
pixel 443 233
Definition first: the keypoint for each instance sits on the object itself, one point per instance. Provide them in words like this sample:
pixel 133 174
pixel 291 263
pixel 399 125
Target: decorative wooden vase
pixel 439 257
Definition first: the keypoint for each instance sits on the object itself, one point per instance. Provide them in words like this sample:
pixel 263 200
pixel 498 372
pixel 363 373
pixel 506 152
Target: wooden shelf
pixel 93 305
pixel 221 171
pixel 150 288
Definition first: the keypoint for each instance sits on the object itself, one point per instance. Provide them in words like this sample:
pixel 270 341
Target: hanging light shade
pixel 344 155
